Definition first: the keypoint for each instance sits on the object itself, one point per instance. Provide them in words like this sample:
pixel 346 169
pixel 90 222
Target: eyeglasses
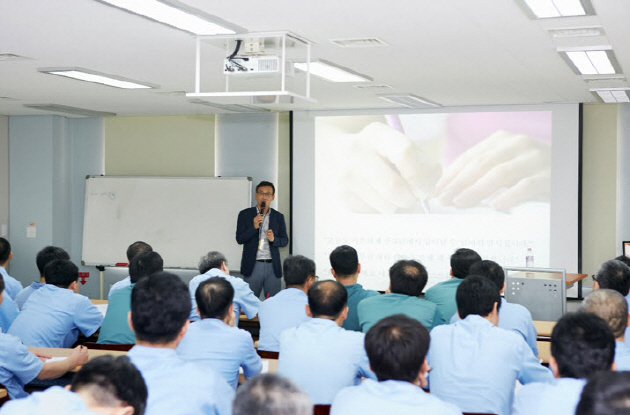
pixel 594 278
pixel 265 194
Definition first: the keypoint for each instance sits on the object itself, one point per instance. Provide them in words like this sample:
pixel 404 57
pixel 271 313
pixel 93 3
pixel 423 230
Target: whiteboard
pixel 182 218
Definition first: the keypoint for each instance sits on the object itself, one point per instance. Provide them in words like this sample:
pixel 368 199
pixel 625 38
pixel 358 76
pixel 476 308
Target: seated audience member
pixel 319 355
pixel 443 293
pixel 397 348
pixel 346 269
pixel 214 341
pixel 613 308
pixel 105 385
pixel 271 394
pixel 8 311
pixel 18 366
pixel 614 275
pixel 606 393
pixel 160 306
pixel 287 308
pixel 214 264
pixel 474 363
pixel 582 344
pixel 133 249
pixel 115 328
pixel 13 286
pixel 407 279
pixel 49 253
pixel 54 314
pixel 511 316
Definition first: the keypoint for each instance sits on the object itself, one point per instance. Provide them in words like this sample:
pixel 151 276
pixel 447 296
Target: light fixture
pixel 591 61
pixel 612 95
pixel 544 9
pixel 332 72
pixel 69 110
pixel 176 14
pixel 408 100
pixel 97 77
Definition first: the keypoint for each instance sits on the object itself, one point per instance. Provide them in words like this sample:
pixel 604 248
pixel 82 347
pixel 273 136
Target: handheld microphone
pixel 262 207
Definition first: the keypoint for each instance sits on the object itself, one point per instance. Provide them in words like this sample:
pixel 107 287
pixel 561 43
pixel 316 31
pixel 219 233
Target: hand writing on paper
pixel 506 169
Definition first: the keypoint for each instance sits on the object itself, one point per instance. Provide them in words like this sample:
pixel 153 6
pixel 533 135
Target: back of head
pixel 137 247
pixel 461 260
pixel 327 299
pixel 5 250
pixel 144 264
pixel 1 284
pixel 610 306
pixel 408 277
pixel 112 382
pixel 490 270
pixel 606 393
pixel 214 297
pixel 476 295
pixel 271 394
pixel 344 260
pixel 61 272
pixel 160 305
pixel 582 344
pixel 625 259
pixel 297 269
pixel 615 275
pixel 212 259
pixel 49 253
pixel 396 347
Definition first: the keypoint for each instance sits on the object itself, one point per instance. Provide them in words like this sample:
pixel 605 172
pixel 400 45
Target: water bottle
pixel 529 258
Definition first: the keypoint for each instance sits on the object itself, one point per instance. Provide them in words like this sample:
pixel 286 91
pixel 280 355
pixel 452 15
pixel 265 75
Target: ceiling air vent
pixel 373 87
pixel 367 42
pixel 408 100
pixel 12 57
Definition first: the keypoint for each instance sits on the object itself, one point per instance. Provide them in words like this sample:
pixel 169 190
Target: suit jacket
pixel 247 236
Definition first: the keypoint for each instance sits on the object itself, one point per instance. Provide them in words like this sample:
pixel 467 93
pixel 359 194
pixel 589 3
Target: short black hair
pixel 271 394
pixel 136 247
pixel 61 272
pixel 476 295
pixel 327 298
pixel 160 306
pixel 615 275
pixel 408 277
pixel 396 347
pixel 48 254
pixel 112 382
pixel 461 260
pixel 1 284
pixel 297 269
pixel 582 344
pixel 5 250
pixel 624 258
pixel 610 306
pixel 212 259
pixel 606 393
pixel 144 264
pixel 490 270
pixel 266 183
pixel 214 297
pixel 344 260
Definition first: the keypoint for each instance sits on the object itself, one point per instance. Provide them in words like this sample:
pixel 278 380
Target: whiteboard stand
pixel 101 278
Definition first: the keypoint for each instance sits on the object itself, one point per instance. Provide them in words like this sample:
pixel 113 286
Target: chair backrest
pixel 267 355
pixel 321 409
pixel 100 346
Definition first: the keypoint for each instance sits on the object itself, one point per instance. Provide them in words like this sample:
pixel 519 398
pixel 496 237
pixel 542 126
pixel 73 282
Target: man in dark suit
pixel 261 230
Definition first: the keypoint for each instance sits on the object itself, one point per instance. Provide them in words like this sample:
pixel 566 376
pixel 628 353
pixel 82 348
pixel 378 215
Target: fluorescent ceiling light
pixel 332 72
pixel 598 61
pixel 543 9
pixel 612 95
pixel 408 100
pixel 97 77
pixel 174 14
pixel 69 110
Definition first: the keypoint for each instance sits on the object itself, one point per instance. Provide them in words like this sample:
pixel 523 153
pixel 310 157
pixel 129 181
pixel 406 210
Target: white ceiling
pixel 452 52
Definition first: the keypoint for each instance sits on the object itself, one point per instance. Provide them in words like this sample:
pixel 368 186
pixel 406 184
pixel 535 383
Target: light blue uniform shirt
pixel 8 313
pixel 11 285
pixel 475 365
pixel 115 328
pixel 210 343
pixel 622 356
pixel 17 365
pixel 125 282
pixel 443 295
pixel 53 317
pixel 55 400
pixel 356 293
pixel 373 309
pixel 179 387
pixel 244 298
pixel 322 358
pixel 517 318
pixel 278 313
pixel 389 397
pixel 23 295
pixel 560 397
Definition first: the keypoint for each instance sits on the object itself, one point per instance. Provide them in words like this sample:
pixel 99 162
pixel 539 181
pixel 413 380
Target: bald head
pixel 327 299
pixel 610 306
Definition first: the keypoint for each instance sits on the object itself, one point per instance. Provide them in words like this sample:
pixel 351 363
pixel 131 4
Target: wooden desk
pixel 96 302
pixel 544 350
pixel 544 328
pixel 570 278
pixel 61 352
pixel 273 368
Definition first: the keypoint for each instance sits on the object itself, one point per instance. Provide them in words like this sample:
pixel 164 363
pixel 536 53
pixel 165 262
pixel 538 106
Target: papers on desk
pixel 102 308
pixel 56 359
pixel 265 368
